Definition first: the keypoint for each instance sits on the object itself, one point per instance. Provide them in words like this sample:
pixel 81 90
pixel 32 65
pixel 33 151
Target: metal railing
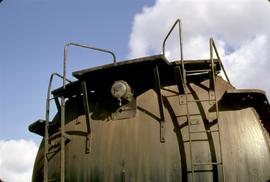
pixel 212 88
pixel 62 159
pixel 47 120
pixel 178 21
pixel 213 46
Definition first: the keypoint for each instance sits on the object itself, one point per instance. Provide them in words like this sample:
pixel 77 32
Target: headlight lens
pixel 119 89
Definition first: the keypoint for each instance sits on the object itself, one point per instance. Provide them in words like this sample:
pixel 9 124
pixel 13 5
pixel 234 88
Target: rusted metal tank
pixel 148 119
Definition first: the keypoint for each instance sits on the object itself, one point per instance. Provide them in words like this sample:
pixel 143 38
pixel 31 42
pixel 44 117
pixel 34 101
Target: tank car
pixel 149 119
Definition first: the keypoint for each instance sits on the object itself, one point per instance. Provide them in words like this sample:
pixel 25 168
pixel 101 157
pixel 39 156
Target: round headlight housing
pixel 121 90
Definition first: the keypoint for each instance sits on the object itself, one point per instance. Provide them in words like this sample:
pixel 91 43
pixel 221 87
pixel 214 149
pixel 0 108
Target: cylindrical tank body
pixel 127 146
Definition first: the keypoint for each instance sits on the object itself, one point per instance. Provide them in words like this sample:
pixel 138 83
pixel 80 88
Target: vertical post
pixel 45 175
pixel 46 149
pixel 46 134
pixel 181 54
pixel 160 103
pixel 87 116
pixel 62 159
pixel 212 75
pixel 62 139
pixel 212 63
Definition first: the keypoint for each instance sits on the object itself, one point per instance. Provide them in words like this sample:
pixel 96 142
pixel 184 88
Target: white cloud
pixel 16 160
pixel 252 59
pixel 240 28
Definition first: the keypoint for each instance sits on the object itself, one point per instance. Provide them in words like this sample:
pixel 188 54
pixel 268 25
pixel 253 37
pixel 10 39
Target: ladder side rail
pixel 220 62
pixel 47 120
pixel 189 138
pixel 212 79
pixel 212 45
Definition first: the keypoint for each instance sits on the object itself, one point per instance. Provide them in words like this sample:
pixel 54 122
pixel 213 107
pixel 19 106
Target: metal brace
pixel 87 117
pixel 160 103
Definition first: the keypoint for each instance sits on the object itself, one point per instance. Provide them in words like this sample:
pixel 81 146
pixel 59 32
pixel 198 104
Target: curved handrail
pixel 83 46
pixel 47 118
pixel 178 21
pixel 180 37
pixel 213 45
pixel 62 159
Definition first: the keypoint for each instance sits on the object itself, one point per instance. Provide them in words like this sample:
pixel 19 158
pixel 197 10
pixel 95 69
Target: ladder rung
pixel 198 71
pixel 203 100
pixel 196 140
pixel 171 95
pixel 206 131
pixel 56 179
pixel 207 163
pixel 201 171
pixel 185 115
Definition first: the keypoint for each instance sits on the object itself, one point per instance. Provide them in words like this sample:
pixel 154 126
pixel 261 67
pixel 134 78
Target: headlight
pixel 121 90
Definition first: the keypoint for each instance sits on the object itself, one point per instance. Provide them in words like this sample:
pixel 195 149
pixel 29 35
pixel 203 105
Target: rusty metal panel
pixel 113 122
pixel 130 149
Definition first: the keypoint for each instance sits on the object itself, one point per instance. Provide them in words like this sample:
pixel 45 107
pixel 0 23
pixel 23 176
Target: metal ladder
pixel 47 122
pixel 212 98
pixel 181 80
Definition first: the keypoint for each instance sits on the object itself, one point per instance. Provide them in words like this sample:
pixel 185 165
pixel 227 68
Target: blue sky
pixel 33 34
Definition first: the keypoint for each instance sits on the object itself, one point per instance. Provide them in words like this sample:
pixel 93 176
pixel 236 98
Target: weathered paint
pixel 130 149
